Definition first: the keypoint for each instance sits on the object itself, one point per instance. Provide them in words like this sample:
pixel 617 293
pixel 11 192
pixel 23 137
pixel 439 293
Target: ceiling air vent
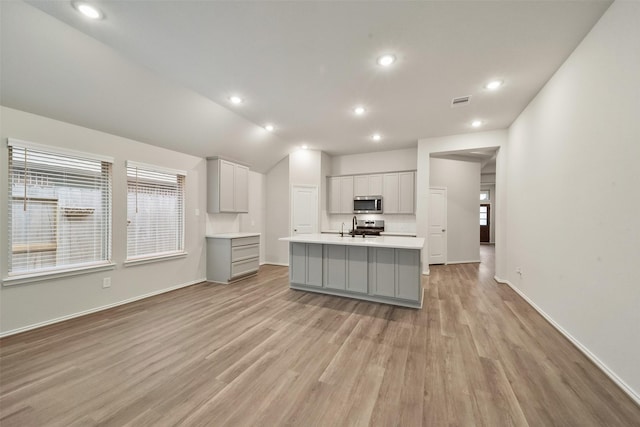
pixel 460 101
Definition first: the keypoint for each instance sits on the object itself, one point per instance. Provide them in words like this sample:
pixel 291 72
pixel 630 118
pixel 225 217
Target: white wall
pixel 470 141
pixel 255 221
pixel 462 181
pixel 381 161
pixel 26 305
pixel 574 195
pixel 277 213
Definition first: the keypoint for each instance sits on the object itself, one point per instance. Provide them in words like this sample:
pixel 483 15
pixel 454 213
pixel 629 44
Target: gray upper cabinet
pixel 407 192
pixel 341 195
pixel 367 185
pixel 390 193
pixel 398 193
pixel 227 186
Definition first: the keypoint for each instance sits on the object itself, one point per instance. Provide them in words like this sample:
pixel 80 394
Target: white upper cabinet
pixel 399 193
pixel 407 192
pixel 361 185
pixel 367 185
pixel 390 193
pixel 375 185
pixel 241 187
pixel 340 195
pixel 227 186
pixel 346 189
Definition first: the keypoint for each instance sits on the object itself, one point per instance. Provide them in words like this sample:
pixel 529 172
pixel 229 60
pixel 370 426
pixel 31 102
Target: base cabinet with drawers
pixel 232 256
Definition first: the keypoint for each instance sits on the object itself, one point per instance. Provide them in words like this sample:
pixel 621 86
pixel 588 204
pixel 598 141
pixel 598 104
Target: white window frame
pixel 153 257
pixel 15 278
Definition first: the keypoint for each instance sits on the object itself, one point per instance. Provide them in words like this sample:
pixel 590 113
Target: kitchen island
pixel 382 269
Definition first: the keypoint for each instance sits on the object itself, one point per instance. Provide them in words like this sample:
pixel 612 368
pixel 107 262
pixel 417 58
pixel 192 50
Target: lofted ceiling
pixel 161 72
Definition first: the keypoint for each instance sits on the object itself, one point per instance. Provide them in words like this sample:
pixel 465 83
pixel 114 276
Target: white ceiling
pixel 161 71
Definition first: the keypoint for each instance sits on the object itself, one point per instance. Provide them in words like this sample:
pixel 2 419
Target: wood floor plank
pixel 256 353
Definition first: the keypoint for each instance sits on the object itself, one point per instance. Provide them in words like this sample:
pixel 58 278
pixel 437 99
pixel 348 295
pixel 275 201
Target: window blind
pixel 59 209
pixel 155 211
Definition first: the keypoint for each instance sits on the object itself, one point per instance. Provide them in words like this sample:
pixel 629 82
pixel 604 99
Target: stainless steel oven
pixel 367 204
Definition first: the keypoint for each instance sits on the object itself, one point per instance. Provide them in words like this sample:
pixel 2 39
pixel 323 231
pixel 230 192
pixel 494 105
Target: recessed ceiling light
pixel 476 123
pixel 376 137
pixel 386 60
pixel 305 147
pixel 235 99
pixel 493 85
pixel 359 110
pixel 88 10
pixel 269 128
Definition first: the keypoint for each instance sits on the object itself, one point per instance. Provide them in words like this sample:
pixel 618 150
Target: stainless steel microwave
pixel 367 204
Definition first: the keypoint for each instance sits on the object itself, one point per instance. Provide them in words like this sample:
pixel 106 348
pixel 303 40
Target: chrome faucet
pixel 353 226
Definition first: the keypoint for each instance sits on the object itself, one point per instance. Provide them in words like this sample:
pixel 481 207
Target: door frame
pixel 291 207
pixel 445 249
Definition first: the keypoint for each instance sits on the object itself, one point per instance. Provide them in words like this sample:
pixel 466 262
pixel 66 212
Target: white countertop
pixel 231 235
pixel 382 233
pixel 397 233
pixel 399 242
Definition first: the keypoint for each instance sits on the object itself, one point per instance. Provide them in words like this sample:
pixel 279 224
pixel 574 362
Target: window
pixel 484 219
pixel 484 195
pixel 155 212
pixel 59 210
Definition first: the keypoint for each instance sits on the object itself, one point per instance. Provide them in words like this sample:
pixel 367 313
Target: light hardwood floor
pixel 257 353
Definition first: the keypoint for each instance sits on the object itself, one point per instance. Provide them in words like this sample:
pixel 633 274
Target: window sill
pixel 138 261
pixel 48 275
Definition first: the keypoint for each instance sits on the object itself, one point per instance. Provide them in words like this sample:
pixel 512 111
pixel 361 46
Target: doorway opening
pixel 470 179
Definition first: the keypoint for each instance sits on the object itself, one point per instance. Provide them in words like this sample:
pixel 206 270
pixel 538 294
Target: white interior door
pixel 437 226
pixel 304 210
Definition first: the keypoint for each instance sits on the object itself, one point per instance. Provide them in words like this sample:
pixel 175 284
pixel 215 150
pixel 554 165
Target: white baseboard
pixel 95 310
pixel 426 272
pixel 463 262
pixel 277 263
pixel 604 368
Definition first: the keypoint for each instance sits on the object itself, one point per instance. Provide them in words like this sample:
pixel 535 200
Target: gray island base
pixel 385 269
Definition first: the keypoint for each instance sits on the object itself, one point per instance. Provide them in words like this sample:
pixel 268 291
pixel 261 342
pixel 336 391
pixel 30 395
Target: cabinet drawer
pixel 242 241
pixel 240 268
pixel 239 253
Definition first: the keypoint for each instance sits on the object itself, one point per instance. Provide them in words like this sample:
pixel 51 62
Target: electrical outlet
pixel 519 270
pixel 106 282
pixel 197 212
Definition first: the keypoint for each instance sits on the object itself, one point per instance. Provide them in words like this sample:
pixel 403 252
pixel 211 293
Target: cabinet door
pixel 314 265
pixel 298 263
pixel 346 194
pixel 406 193
pixel 241 182
pixel 335 267
pixel 390 193
pixel 357 271
pixel 334 195
pixel 361 185
pixel 382 271
pixel 408 284
pixel 226 183
pixel 375 185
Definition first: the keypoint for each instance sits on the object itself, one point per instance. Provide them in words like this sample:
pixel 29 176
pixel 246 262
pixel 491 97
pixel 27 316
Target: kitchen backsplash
pixel 397 223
